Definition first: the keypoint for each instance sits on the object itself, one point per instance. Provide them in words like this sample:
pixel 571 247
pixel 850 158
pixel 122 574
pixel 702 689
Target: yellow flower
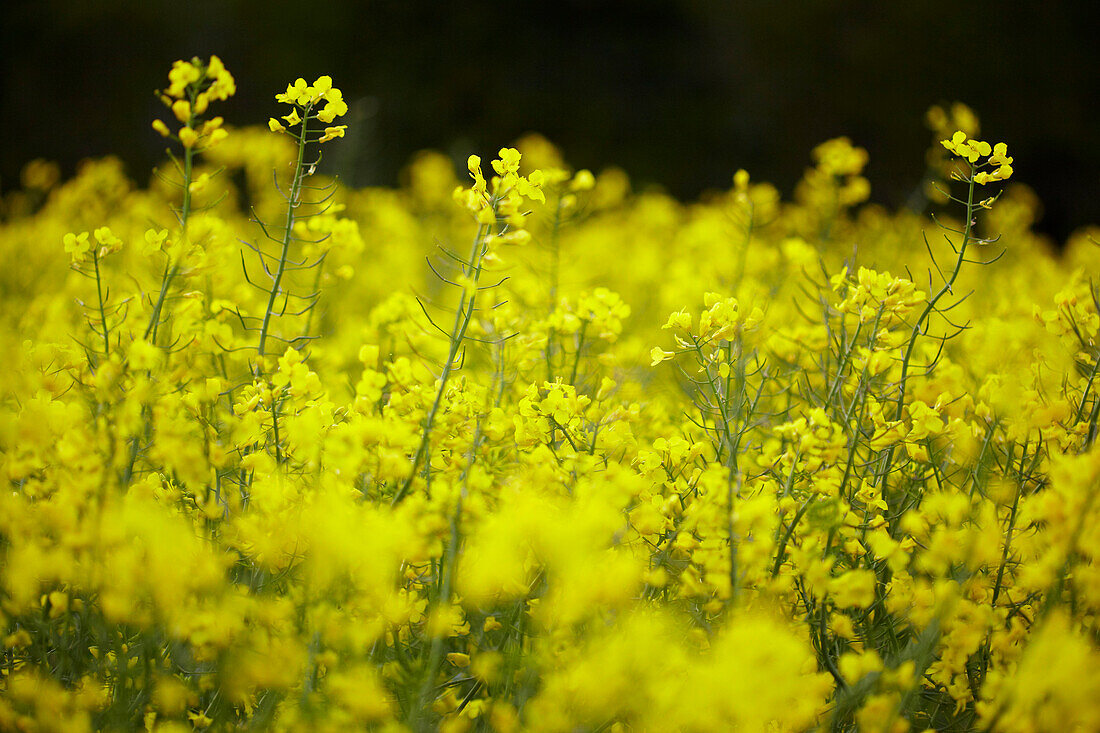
pixel 77 246
pixel 657 355
pixel 583 181
pixel 108 241
pixel 188 137
pixel 199 719
pixel 972 150
pixel 680 319
pixel 182 74
pixel 223 86
pixel 154 241
pixel 335 107
pixel 853 589
pixel 181 108
pixel 144 355
pixel 331 133
pixel 295 93
pixel 508 161
pixel 959 138
pixel 199 183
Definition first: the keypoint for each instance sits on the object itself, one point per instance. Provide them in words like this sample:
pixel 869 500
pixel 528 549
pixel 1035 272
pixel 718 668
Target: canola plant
pixel 523 449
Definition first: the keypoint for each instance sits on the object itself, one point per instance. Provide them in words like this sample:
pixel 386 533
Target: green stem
pixel 726 437
pixel 435 652
pixel 928 309
pixel 170 272
pixel 293 201
pixel 781 550
pixel 316 289
pixel 463 315
pixel 1000 579
pixel 733 490
pixel 931 306
pixel 1088 388
pixel 577 355
pixel 102 306
pixel 172 268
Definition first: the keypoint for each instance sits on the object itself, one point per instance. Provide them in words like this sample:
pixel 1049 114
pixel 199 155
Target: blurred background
pixel 679 93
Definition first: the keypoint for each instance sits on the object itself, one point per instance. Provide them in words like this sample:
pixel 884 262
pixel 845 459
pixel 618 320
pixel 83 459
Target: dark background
pixel 679 93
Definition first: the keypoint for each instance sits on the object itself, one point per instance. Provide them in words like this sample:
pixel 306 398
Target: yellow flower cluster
pixel 289 476
pixel 185 74
pixel 996 156
pixel 502 196
pixel 306 100
pixel 193 85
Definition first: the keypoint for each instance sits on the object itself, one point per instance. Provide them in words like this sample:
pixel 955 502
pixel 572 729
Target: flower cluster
pixel 307 99
pixel 193 85
pixel 996 156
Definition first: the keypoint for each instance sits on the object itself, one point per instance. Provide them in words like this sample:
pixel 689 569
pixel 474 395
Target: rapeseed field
pixel 520 448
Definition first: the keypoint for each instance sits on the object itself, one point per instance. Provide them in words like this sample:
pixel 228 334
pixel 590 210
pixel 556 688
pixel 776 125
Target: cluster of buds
pixel 835 179
pixel 192 86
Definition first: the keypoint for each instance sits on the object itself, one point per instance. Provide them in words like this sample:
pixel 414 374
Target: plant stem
pixel 102 306
pixel 931 306
pixel 293 201
pixel 463 315
pixel 928 309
